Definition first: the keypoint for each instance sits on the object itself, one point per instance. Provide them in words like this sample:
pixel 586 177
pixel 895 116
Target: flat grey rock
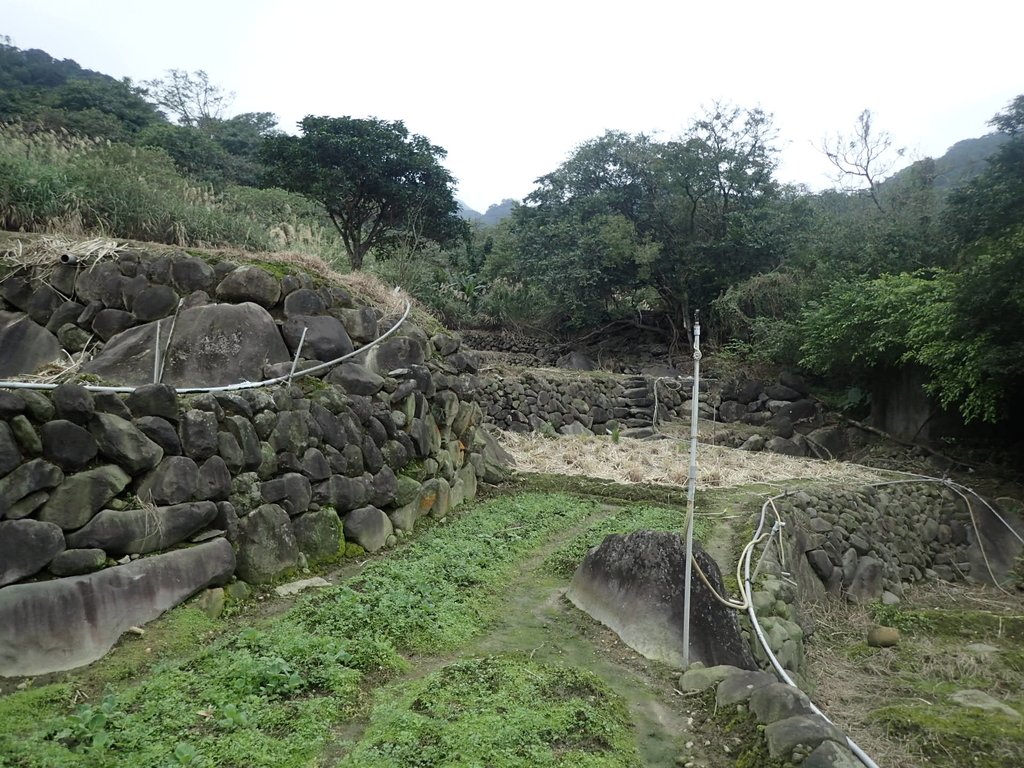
pixel 61 624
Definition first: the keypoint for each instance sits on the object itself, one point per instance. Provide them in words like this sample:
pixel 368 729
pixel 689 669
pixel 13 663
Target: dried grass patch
pixel 853 680
pixel 44 252
pixel 666 462
pixel 980 597
pixel 848 687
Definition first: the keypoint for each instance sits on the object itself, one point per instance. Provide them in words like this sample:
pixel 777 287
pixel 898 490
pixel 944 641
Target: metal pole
pixel 170 337
pixel 691 490
pixel 156 355
pixel 298 351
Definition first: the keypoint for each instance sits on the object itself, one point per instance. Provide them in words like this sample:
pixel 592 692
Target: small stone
pixel 294 587
pixel 976 699
pixel 883 637
pixel 211 602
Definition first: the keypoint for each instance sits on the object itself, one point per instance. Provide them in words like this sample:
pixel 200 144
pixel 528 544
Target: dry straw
pixel 666 461
pixel 43 253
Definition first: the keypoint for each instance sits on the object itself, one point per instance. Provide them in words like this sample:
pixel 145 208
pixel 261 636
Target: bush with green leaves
pixel 86 729
pixel 962 327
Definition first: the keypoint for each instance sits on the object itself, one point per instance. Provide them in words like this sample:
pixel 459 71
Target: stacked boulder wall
pixel 634 584
pixel 213 345
pixel 49 626
pixel 27 346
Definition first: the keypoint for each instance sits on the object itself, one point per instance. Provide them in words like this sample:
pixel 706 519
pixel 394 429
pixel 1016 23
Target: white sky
pixel 509 89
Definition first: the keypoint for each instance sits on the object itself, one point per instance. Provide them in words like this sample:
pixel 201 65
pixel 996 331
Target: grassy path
pixel 378 670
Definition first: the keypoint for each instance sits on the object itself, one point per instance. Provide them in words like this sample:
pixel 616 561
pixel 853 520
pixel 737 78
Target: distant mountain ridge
pixel 492 215
pixel 958 165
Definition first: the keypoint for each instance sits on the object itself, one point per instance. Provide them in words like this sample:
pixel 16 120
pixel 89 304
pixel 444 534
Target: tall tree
pixel 964 324
pixel 377 182
pixel 189 97
pixel 629 223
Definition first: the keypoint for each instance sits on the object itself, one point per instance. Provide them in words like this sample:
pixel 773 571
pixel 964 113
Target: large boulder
pixel 343 493
pixel 123 443
pixel 318 534
pixel 26 546
pixel 250 283
pixel 61 624
pixel 361 323
pixel 213 345
pixel 82 495
pixel 153 303
pixel 395 353
pixel 266 544
pixel 368 527
pixel 634 584
pixel 174 481
pixel 291 491
pixel 356 379
pixel 138 531
pixel 27 345
pixel 67 445
pixel 32 476
pixel 326 338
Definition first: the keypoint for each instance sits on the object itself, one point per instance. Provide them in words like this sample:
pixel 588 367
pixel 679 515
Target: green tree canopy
pixel 630 223
pixel 377 182
pixel 60 95
pixel 993 202
pixel 963 323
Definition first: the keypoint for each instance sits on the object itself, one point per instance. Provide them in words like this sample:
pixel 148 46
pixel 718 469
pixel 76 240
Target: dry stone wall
pixel 575 399
pixel 104 492
pixel 581 403
pixel 858 544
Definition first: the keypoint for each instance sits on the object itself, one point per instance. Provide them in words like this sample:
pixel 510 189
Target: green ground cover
pixel 266 688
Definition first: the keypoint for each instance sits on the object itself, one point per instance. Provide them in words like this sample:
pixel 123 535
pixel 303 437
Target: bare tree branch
pixel 189 97
pixel 865 157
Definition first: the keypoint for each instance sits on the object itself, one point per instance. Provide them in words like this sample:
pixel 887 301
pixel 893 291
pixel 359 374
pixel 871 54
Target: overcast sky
pixel 509 89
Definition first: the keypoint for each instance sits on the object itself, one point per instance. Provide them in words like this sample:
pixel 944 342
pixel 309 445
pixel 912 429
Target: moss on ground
pixel 969 625
pixel 949 735
pixel 272 693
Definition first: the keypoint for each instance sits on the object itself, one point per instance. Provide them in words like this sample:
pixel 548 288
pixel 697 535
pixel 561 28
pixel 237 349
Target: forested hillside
pixel 922 267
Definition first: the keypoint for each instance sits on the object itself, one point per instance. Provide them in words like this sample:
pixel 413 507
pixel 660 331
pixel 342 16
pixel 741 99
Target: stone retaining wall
pixel 583 403
pixel 287 476
pixel 95 482
pixel 861 544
